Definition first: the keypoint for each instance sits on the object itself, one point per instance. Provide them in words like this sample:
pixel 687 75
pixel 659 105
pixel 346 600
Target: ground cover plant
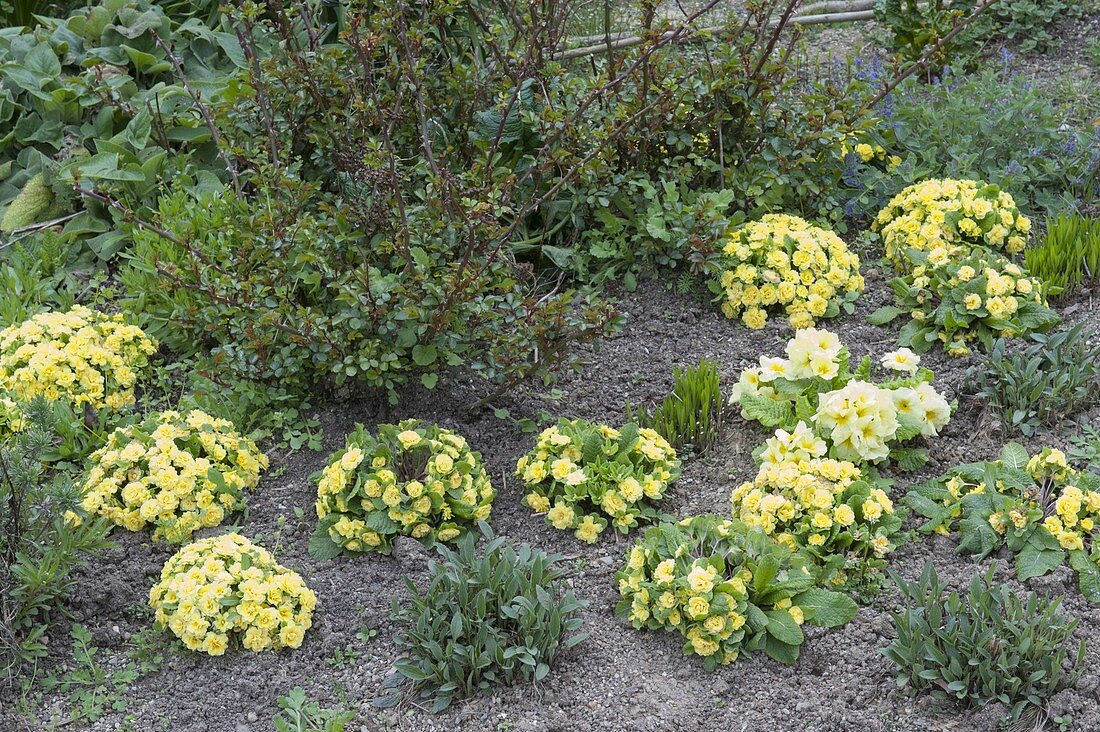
pixel 498 615
pixel 785 261
pixel 815 387
pixel 309 294
pixel 1037 506
pixel 1053 378
pixel 844 521
pixel 82 357
pixel 414 479
pixel 983 645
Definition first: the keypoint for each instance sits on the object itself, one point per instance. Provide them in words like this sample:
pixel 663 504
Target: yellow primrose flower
pixel 232 598
pixel 784 260
pixel 178 484
pixel 643 465
pixel 433 497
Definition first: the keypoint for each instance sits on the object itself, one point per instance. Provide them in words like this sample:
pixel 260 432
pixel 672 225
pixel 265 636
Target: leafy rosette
pixel 726 589
pixel 413 479
pixel 963 300
pixel 587 476
pixel 1036 506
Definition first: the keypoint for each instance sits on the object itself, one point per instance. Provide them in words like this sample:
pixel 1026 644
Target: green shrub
pixel 498 616
pixel 1027 22
pixel 967 126
pixel 915 26
pixel 91 99
pixel 1069 254
pixel 285 292
pixel 984 646
pixel 692 414
pixel 1053 377
pixel 39 547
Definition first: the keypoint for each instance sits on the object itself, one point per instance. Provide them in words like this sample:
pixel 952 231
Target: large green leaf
pixel 1088 575
pixel 1040 555
pixel 826 608
pixel 884 315
pixel 1014 456
pixel 766 411
pixel 783 627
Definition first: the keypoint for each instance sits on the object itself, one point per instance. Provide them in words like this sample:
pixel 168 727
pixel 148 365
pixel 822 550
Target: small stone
pixel 252 717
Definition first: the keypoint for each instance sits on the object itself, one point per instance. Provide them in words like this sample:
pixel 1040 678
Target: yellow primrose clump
pixel 858 419
pixel 976 295
pixel 784 262
pixel 823 506
pixel 80 357
pixel 584 476
pixel 225 586
pixel 1038 507
pixel 939 217
pixel 414 479
pixel 178 472
pixel 699 577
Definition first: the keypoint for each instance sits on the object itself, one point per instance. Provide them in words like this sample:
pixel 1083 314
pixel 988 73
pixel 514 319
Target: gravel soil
pixel 619 678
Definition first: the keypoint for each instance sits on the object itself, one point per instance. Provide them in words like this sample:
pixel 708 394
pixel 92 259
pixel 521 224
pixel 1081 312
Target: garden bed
pixel 618 679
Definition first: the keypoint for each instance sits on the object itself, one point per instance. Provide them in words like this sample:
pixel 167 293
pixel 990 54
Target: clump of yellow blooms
pixel 942 217
pixel 946 238
pixel 784 262
pixel 824 506
pixel 80 357
pixel 861 420
pixel 414 479
pixel 225 586
pixel 585 476
pixel 976 296
pixel 177 472
pixel 698 577
pixel 1038 507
